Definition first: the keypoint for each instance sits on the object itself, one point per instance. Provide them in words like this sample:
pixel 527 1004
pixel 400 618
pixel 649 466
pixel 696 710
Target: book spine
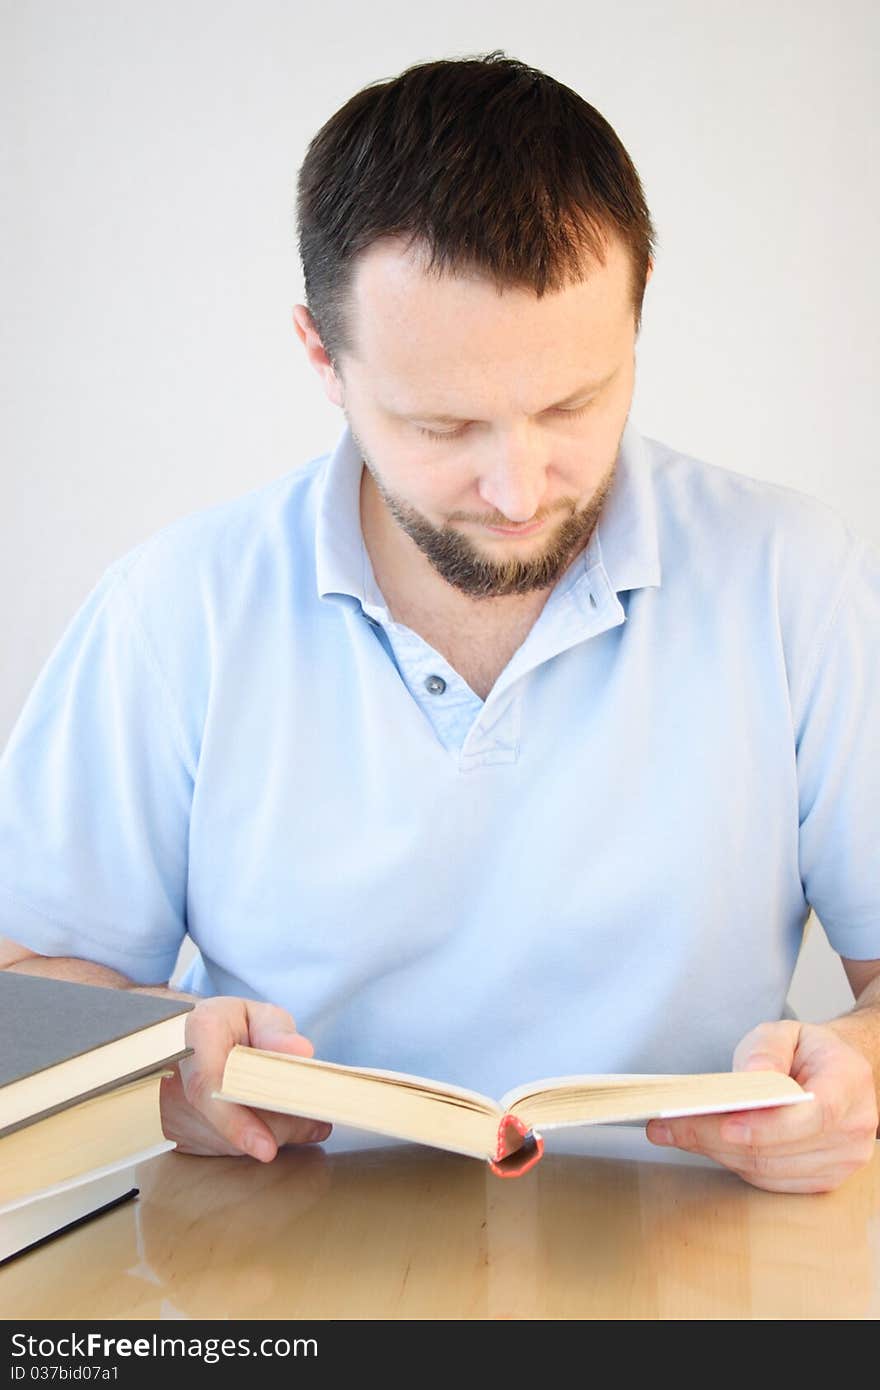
pixel 517 1150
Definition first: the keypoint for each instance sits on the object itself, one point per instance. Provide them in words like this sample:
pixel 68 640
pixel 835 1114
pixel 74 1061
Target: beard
pixel 463 565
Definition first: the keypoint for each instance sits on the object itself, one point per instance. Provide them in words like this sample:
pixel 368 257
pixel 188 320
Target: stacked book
pixel 80 1073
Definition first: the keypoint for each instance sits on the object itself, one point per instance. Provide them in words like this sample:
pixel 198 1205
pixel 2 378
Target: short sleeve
pixel 837 728
pixel 95 796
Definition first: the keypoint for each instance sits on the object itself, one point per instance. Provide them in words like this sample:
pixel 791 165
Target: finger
pixel 190 1130
pixel 294 1129
pixel 274 1030
pixel 822 1170
pixel 776 1126
pixel 212 1029
pixel 768 1047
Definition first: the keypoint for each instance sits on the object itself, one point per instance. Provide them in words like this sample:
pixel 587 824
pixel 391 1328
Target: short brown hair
pixel 491 166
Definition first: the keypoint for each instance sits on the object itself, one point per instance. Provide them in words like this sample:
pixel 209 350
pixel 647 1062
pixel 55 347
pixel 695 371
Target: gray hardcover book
pixel 47 1023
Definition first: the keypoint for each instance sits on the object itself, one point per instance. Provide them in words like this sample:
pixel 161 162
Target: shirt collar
pixel 624 543
pixel 339 543
pixel 626 539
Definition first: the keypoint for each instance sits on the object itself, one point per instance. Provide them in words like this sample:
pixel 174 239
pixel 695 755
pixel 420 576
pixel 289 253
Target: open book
pixel 507 1133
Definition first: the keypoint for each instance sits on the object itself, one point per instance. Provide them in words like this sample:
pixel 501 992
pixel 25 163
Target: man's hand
pixel 200 1125
pixel 810 1147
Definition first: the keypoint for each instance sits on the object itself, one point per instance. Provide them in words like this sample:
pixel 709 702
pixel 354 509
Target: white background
pixel 149 267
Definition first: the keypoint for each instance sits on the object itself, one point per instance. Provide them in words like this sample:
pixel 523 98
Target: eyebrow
pixel 458 419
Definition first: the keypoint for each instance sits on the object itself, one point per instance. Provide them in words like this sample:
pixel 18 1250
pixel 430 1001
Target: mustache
pixel 568 505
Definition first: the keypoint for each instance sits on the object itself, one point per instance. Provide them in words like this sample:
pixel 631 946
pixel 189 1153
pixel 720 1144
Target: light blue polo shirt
pixel 605 866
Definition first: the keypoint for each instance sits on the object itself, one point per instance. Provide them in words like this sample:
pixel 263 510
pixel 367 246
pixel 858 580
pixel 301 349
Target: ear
pixel 310 338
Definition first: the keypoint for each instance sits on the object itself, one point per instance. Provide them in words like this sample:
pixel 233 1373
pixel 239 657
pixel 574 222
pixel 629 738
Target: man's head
pixel 476 249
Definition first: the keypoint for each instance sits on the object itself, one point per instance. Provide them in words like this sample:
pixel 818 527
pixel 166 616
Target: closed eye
pixel 437 435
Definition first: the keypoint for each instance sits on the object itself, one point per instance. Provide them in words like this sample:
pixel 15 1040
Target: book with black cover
pixel 32 1224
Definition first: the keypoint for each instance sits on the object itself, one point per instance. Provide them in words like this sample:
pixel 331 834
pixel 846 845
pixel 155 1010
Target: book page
pixel 586 1082
pixel 619 1098
pixel 384 1102
pixel 397 1078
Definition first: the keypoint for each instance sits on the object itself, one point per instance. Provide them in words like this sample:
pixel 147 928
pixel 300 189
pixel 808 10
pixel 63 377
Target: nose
pixel 514 483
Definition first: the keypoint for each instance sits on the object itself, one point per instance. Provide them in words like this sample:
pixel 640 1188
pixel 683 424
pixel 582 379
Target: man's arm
pixel 18 959
pixel 861 1026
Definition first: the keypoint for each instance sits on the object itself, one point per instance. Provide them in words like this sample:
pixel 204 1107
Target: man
pixel 501 742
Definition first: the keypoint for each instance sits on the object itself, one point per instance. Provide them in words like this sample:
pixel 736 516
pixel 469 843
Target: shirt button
pixel 436 685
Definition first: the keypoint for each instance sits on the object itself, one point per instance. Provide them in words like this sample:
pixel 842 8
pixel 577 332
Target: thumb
pixel 769 1047
pixel 273 1029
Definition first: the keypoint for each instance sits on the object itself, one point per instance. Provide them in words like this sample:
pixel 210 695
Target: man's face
pixel 474 410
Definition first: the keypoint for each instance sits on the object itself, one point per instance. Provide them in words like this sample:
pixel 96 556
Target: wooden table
pixel 606 1226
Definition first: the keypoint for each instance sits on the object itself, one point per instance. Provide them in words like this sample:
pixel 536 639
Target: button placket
pixel 447 702
pixel 495 736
